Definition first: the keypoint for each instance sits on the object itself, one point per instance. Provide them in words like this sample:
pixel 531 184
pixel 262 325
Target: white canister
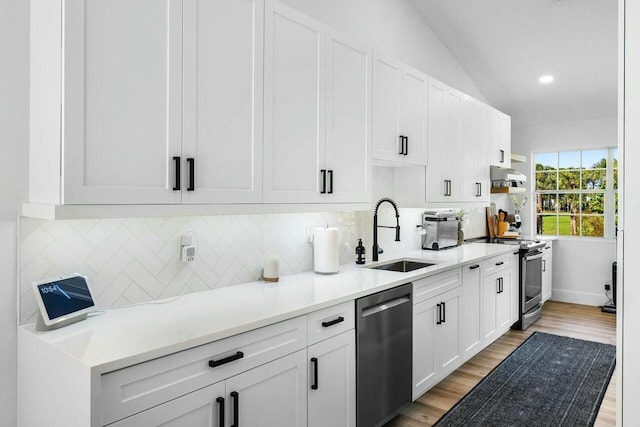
pixel 325 250
pixel 271 270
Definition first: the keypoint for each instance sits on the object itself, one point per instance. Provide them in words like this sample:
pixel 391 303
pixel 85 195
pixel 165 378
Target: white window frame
pixel 609 193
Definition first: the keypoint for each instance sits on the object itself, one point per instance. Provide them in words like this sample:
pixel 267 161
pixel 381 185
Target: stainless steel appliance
pixel 529 280
pixel 530 284
pixel 441 229
pixel 384 326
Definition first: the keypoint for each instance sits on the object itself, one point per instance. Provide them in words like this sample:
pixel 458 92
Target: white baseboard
pixel 575 297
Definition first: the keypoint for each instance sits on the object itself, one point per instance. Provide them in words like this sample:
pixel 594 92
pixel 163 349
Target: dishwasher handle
pixel 386 305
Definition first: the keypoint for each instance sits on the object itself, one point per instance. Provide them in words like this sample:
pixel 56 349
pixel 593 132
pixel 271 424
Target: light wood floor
pixel 572 320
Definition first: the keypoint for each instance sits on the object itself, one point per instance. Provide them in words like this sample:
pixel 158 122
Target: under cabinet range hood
pixel 506 180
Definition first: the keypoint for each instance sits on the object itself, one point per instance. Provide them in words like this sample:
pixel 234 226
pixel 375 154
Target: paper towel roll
pixel 325 250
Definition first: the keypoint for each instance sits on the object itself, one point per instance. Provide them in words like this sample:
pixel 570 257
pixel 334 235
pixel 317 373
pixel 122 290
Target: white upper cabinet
pixel 348 131
pixel 294 142
pixel 222 93
pixel 500 154
pixel 445 172
pixel 317 112
pixel 121 101
pixel 399 112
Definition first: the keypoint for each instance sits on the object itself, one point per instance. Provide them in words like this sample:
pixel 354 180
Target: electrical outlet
pixel 607 286
pixel 308 234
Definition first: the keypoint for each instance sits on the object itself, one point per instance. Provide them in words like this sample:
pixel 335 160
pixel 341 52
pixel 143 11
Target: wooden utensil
pixel 492 232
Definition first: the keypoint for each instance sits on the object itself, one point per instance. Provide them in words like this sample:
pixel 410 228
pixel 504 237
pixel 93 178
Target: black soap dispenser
pixel 360 251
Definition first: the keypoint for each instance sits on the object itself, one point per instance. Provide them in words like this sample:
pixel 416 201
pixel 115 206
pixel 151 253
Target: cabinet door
pixel 197 409
pixel 437 188
pixel 222 95
pixel 122 101
pixel 386 109
pixel 294 106
pixel 500 154
pixel 547 273
pixel 331 393
pixel 348 134
pixel 481 154
pixel 471 330
pixel 413 112
pixel 471 139
pixel 490 289
pixel 272 395
pixel 425 363
pixel 449 334
pixel 504 302
pixel 453 148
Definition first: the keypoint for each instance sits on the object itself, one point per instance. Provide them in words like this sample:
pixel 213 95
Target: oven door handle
pixel 533 256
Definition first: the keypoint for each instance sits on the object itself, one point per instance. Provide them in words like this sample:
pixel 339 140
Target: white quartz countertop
pixel 126 336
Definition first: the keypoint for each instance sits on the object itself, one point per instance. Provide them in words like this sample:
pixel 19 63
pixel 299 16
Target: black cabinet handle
pixel 473 267
pixel 324 181
pixel 544 265
pixel 215 363
pixel 444 312
pixel 236 403
pixel 176 162
pixel 314 361
pixel 406 146
pixel 447 187
pixel 439 314
pixel 220 401
pixel 478 189
pixel 330 181
pixel 498 285
pixel 333 322
pixel 500 263
pixel 501 156
pixel 401 141
pixel 192 174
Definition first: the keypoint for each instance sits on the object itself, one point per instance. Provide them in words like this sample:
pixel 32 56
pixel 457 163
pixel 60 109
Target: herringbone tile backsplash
pixel 136 260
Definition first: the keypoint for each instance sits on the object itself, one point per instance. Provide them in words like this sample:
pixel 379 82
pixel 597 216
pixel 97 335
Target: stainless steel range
pixel 530 280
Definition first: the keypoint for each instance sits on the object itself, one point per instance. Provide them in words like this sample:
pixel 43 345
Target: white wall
pixel 14 94
pixel 394 28
pixel 581 266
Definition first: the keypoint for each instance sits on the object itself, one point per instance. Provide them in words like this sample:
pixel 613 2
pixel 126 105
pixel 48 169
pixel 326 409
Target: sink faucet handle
pixel 397 233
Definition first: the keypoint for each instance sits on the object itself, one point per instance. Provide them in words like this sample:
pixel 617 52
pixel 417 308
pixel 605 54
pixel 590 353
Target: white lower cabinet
pixel 332 378
pixel 436 339
pixel 470 313
pixel 274 394
pixel 497 304
pixel 202 408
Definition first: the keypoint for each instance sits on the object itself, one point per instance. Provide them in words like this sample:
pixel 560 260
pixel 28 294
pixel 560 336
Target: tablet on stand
pixel 62 301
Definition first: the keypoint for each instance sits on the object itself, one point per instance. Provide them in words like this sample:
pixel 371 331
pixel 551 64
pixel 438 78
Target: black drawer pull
pixel 330 172
pixel 444 313
pixel 215 363
pixel 401 148
pixel 192 172
pixel 406 146
pixel 176 186
pixel 439 314
pixel 236 403
pixel 314 386
pixel 473 267
pixel 333 322
pixel 500 263
pixel 220 401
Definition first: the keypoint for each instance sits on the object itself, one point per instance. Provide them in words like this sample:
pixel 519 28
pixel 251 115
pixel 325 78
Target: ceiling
pixel 506 45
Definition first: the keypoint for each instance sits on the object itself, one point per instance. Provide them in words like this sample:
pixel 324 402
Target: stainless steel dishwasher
pixel 384 354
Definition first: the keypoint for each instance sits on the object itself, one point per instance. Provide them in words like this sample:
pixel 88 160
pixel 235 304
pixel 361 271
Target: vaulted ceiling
pixel 506 45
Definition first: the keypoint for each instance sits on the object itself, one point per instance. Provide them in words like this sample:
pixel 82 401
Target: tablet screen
pixel 65 296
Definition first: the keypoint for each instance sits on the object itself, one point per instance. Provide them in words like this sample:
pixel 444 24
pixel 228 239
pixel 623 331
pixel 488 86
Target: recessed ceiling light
pixel 545 79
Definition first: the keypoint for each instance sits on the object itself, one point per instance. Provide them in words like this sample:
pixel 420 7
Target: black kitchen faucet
pixel 377 249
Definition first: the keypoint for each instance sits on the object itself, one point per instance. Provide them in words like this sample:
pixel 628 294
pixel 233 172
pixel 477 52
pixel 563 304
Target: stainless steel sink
pixel 402 266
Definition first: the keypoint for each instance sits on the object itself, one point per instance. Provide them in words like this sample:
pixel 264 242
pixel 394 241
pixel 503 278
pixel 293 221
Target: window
pixel 577 193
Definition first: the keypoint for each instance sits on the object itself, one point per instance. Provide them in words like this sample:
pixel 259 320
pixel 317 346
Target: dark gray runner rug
pixel 548 381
